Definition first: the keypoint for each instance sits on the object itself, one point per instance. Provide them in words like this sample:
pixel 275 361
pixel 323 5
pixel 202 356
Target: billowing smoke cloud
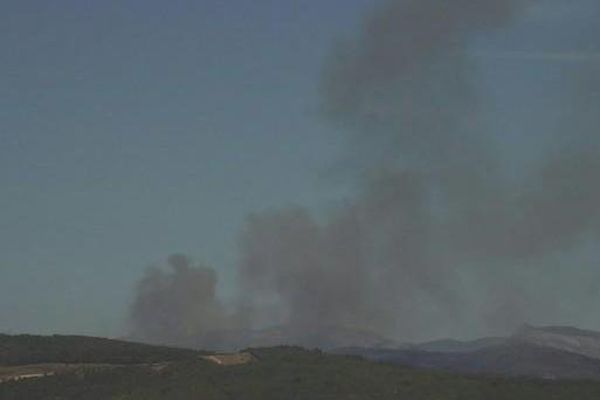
pixel 440 239
pixel 178 306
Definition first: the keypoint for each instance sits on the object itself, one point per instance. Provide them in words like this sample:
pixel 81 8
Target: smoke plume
pixel 439 240
pixel 179 305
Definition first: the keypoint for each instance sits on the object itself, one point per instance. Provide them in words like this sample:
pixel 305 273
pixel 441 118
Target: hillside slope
pixel 565 338
pixel 33 349
pixel 287 373
pixel 548 352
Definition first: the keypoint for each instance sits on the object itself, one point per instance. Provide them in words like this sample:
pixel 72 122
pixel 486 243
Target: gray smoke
pixel 440 239
pixel 177 306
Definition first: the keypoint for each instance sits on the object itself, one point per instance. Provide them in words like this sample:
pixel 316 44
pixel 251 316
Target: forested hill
pixel 285 373
pixel 32 349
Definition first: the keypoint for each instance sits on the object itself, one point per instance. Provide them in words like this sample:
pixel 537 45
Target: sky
pixel 130 130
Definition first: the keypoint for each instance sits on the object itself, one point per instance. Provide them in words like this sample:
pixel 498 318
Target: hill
pixel 566 338
pixel 452 345
pixel 511 359
pixel 284 373
pixel 543 352
pixel 32 349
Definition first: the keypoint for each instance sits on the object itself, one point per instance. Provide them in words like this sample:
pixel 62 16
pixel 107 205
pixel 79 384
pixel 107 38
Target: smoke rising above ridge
pixel 177 305
pixel 438 240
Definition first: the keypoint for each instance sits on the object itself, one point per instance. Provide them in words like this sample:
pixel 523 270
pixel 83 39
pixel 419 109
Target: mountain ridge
pixel 554 352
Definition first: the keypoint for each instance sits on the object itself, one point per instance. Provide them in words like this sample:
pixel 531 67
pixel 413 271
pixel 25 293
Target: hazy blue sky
pixel 130 130
pixel 133 129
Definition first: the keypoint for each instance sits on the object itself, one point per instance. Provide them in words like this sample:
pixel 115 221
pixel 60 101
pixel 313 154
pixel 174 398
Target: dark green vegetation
pixel 281 373
pixel 30 349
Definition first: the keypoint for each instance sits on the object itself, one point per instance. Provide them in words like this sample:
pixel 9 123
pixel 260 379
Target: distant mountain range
pixel 546 352
pixel 573 340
